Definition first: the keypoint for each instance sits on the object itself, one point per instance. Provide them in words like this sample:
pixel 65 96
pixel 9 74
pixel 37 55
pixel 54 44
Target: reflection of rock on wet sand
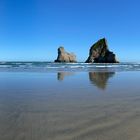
pixel 62 75
pixel 100 79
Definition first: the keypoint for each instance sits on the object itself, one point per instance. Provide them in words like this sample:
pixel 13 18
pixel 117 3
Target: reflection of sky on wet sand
pixel 37 106
pixel 62 75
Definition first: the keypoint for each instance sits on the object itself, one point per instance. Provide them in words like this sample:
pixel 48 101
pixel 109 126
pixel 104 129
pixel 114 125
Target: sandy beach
pixel 69 106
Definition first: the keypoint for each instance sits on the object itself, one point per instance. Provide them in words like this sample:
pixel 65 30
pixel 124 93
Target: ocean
pixel 49 66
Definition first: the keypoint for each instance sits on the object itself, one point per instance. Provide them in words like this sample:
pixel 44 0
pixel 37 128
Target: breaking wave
pixel 68 66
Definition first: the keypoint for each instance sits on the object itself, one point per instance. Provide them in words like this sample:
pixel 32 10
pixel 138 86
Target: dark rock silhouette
pixel 64 56
pixel 100 79
pixel 100 53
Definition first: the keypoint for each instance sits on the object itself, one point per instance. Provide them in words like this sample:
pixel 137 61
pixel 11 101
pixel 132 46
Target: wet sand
pixel 70 106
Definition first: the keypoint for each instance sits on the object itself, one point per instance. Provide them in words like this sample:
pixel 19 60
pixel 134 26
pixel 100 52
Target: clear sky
pixel 34 29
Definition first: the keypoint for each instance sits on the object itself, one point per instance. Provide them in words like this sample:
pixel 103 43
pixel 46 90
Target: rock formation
pixel 100 53
pixel 64 56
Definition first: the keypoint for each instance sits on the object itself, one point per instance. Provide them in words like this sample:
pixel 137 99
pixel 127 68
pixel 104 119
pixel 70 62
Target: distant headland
pixel 98 53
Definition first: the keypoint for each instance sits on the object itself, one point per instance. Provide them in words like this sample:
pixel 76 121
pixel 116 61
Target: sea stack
pixel 100 53
pixel 65 57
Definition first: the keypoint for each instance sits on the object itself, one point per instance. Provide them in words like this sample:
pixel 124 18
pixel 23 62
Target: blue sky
pixel 32 30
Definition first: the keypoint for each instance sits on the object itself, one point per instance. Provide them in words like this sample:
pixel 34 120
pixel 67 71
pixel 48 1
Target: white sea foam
pixel 63 66
pixel 5 66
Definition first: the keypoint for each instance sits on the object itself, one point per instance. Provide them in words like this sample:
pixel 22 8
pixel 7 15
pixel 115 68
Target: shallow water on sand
pixel 70 105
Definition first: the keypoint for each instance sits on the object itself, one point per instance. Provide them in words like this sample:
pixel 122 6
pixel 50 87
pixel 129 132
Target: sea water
pixel 48 66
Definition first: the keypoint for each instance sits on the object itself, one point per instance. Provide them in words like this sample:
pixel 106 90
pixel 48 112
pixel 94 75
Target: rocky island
pixel 100 53
pixel 64 56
